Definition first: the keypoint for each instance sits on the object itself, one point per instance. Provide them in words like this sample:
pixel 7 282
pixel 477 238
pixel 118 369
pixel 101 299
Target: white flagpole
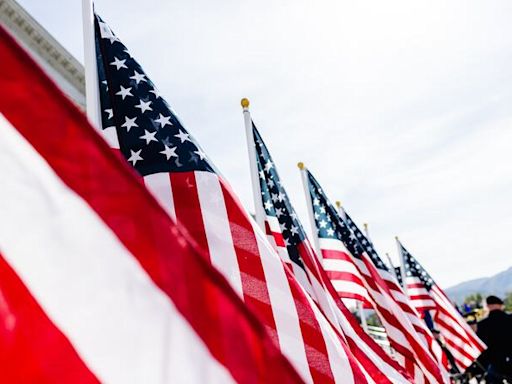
pixel 92 93
pixel 311 212
pixel 259 212
pixel 402 264
pixel 391 266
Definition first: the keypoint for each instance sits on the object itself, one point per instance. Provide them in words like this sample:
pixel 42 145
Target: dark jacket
pixel 496 332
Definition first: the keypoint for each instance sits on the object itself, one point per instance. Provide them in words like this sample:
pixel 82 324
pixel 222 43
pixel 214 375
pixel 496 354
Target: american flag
pixel 392 281
pixel 140 124
pixel 287 234
pixel 96 287
pixel 413 349
pixel 426 295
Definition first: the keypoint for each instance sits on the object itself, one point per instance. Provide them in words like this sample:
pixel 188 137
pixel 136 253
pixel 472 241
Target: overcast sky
pixel 401 109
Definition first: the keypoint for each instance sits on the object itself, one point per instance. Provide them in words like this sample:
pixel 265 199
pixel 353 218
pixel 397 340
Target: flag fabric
pixel 287 234
pixel 97 283
pixel 426 295
pixel 412 349
pixel 398 274
pixel 139 124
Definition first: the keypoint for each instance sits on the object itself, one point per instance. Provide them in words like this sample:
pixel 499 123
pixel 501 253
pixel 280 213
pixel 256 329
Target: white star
pixel 274 197
pixel 163 120
pixel 125 92
pixel 294 230
pixel 283 227
pixel 316 202
pixel 110 113
pixel 138 77
pixel 268 205
pixel 317 216
pixel 323 224
pixel 279 212
pixel 268 165
pixel 330 232
pixel 293 215
pixel 271 183
pixel 322 209
pixel 169 152
pixel 144 106
pixel 129 123
pixel 281 196
pixel 200 153
pixel 155 92
pixel 118 63
pixel 182 136
pixel 262 175
pixel 148 136
pixel 135 156
pixel 286 242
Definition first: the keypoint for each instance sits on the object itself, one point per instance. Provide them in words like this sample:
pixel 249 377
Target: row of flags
pixel 136 261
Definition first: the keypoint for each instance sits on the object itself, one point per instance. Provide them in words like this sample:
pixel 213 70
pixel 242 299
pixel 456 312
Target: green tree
pixel 508 302
pixel 475 299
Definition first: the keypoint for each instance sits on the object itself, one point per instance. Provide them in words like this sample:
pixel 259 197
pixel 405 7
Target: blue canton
pixel 150 135
pixel 413 268
pixel 328 222
pixel 276 202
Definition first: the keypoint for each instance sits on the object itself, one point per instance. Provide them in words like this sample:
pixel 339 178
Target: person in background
pixel 496 332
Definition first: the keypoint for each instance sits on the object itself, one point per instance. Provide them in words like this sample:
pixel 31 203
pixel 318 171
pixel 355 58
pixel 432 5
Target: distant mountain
pixel 498 285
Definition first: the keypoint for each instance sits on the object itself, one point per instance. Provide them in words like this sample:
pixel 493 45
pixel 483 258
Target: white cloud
pixel 400 108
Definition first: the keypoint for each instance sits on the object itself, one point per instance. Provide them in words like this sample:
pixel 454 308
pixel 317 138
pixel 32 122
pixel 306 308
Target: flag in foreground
pixel 426 295
pixel 139 123
pixel 97 283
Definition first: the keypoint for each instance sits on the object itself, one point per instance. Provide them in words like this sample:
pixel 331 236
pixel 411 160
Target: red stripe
pixel 32 348
pixel 278 236
pixel 83 161
pixel 254 284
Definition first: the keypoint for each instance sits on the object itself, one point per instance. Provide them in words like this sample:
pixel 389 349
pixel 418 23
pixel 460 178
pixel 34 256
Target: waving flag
pixel 97 283
pixel 139 123
pixel 411 346
pixel 286 233
pixel 426 295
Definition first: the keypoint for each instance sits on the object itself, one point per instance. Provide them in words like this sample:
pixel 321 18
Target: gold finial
pixel 338 203
pixel 300 164
pixel 365 225
pixel 245 103
pixel 396 238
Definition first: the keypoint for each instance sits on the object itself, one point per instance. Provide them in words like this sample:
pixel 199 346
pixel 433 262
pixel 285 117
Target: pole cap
pixel 300 164
pixel 396 238
pixel 338 203
pixel 365 225
pixel 245 103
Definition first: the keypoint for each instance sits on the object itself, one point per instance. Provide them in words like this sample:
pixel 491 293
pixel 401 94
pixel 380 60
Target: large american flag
pixel 139 123
pixel 413 349
pixel 287 234
pixel 97 283
pixel 426 295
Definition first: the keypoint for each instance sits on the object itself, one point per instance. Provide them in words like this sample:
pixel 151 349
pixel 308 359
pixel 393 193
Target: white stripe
pixel 110 136
pixel 338 265
pixel 343 286
pixel 124 328
pixel 333 244
pixel 283 306
pixel 160 186
pixel 217 228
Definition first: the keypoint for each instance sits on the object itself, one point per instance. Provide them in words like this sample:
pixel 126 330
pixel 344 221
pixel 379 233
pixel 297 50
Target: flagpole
pixel 391 266
pixel 311 212
pixel 259 212
pixel 92 93
pixel 402 264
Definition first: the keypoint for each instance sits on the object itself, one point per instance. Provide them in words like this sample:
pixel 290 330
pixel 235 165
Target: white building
pixel 52 56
